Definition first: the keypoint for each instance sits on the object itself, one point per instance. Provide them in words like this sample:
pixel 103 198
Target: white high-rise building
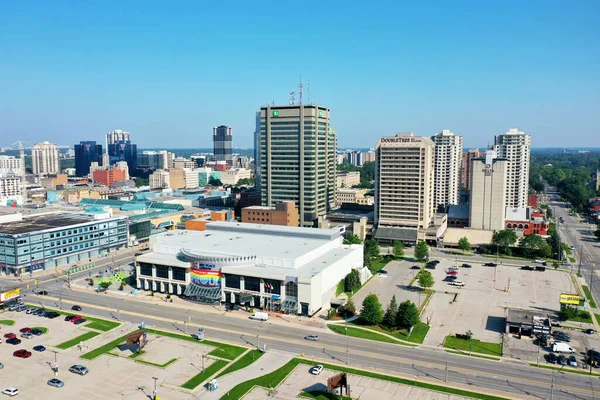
pixel 515 146
pixel 488 190
pixel 404 175
pixel 44 158
pixel 116 136
pixel 160 179
pixel 447 165
pixel 12 184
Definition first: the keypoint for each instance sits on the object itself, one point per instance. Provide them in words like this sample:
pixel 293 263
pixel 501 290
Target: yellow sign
pixel 11 294
pixel 566 298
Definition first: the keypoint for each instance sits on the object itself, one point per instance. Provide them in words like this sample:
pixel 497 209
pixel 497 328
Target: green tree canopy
pixel 535 245
pixel 352 281
pixel 504 239
pixel 214 181
pixel 371 248
pixel 407 315
pixel 425 279
pixel 398 249
pixel 421 251
pixel 389 318
pixel 463 244
pixel 352 239
pixel 371 311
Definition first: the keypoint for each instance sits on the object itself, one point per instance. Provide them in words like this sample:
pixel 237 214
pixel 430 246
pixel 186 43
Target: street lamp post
pixel 446 372
pixel 347 345
pixel 155 379
pixel 552 383
pixel 203 355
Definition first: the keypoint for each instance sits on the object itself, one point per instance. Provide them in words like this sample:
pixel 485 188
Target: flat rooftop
pixel 43 222
pixel 523 316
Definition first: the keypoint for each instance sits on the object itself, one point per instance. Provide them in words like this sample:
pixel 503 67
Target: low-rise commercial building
pixel 348 179
pixel 284 269
pixel 284 213
pixel 108 177
pixel 527 221
pixel 354 196
pixel 232 176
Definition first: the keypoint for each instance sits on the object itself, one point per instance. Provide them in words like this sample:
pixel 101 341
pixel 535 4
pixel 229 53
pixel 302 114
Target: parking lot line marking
pixel 343 349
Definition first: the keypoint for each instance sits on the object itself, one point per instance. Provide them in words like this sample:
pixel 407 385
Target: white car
pixel 316 370
pixel 11 391
pixel 540 261
pixel 456 283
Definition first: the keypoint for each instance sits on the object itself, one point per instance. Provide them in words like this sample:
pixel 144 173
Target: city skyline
pixel 72 74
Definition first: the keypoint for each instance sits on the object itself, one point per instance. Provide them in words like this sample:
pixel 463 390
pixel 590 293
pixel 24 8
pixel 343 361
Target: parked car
pixel 457 283
pixel 552 359
pixel 10 335
pixel 452 269
pixel 590 331
pixel 22 353
pixel 562 360
pixel 312 337
pixel 466 265
pixel 561 336
pixel 13 341
pixel 573 361
pixel 526 268
pixel 69 317
pixel 39 348
pixel 490 264
pixel 56 383
pixel 76 308
pixel 452 273
pixel 39 311
pixel 80 321
pixel 78 369
pixel 415 267
pixel 37 332
pixel 27 335
pixel 1 366
pixel 31 310
pixel 316 370
pixel 52 314
pixel 450 278
pixel 76 318
pixel 436 262
pixel 430 266
pixel 382 272
pixel 10 391
pixel 23 330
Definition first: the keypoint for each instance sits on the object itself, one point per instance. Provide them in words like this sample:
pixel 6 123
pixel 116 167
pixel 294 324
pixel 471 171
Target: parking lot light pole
pixel 155 379
pixel 347 345
pixel 590 359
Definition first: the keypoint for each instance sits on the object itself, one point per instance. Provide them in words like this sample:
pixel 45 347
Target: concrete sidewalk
pixel 269 362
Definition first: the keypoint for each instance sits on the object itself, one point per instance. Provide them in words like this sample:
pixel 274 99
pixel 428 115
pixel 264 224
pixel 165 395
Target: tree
pixel 105 284
pixel 463 244
pixel 245 182
pixel 504 239
pixel 352 239
pixel 371 248
pixel 421 251
pixel 398 249
pixel 426 279
pixel 534 245
pixel 350 308
pixel 214 181
pixel 371 312
pixel 554 243
pixel 389 318
pixel 408 315
pixel 141 182
pixel 352 281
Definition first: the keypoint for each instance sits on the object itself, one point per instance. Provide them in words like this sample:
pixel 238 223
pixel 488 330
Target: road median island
pixel 198 379
pixel 76 340
pixel 588 295
pixel 366 333
pixel 417 336
pixel 571 370
pixel 245 360
pixel 275 378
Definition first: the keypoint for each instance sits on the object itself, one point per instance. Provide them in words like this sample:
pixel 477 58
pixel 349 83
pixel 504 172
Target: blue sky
pixel 170 71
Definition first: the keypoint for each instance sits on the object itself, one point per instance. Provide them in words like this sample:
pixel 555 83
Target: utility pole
pixel 446 372
pixel 347 346
pixel 580 257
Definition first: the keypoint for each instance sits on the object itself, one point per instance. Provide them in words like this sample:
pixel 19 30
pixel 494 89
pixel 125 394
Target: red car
pixel 10 335
pixel 22 353
pixel 23 330
pixel 452 273
pixel 76 318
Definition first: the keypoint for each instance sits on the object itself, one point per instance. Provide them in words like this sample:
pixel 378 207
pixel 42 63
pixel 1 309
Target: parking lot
pixel 110 376
pixel 362 387
pixel 479 305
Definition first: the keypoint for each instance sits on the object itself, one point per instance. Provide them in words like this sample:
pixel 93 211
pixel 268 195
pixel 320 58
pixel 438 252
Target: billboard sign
pixel 566 298
pixel 11 294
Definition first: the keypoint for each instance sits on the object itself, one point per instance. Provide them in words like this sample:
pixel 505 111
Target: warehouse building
pixel 277 268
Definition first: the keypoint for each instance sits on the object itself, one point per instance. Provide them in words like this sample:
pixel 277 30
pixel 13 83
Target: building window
pixel 178 274
pixel 145 269
pixel 232 281
pixel 251 283
pixel 162 271
pixel 291 290
pixel 275 284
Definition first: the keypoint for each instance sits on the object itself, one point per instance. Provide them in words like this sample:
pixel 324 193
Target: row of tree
pixel 367 173
pixel 403 316
pixel 529 246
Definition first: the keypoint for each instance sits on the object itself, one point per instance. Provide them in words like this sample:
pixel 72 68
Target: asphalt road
pixel 415 362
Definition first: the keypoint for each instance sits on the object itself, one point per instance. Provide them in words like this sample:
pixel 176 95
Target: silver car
pixel 79 369
pixel 56 382
pixel 312 337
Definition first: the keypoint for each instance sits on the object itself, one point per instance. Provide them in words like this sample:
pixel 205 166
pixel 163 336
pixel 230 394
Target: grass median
pixel 103 349
pixel 417 336
pixel 361 333
pixel 76 340
pixel 243 362
pixel 588 295
pixel 221 350
pixel 493 349
pixel 212 369
pixel 165 365
pixel 8 322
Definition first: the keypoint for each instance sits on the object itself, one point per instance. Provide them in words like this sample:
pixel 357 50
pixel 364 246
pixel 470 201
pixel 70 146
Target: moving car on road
pixel 76 308
pixel 312 337
pixel 490 264
pixel 466 265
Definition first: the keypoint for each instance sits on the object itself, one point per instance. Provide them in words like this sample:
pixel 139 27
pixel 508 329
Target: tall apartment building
pixel 297 159
pixel 488 192
pixel 467 162
pixel 404 175
pixel 44 159
pixel 155 159
pixel 12 183
pixel 447 164
pixel 117 136
pixel 222 144
pixel 515 146
pixel 86 152
pixel 183 163
pixel 159 179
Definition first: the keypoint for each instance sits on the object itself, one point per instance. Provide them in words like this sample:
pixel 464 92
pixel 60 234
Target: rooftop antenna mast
pixel 292 98
pixel 300 89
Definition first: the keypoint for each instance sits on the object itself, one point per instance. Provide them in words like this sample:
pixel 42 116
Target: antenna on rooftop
pixel 292 98
pixel 300 88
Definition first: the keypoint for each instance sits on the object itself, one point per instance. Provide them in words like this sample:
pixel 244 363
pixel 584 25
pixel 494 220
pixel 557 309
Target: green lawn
pixel 222 350
pixel 41 328
pixel 165 365
pixel 493 349
pixel 76 340
pixel 273 379
pixel 361 333
pixel 340 287
pixel 573 260
pixel 417 336
pixel 243 362
pixel 588 295
pixel 567 249
pixel 380 263
pixel 103 349
pixel 597 317
pixel 197 380
pixel 136 354
pixel 580 319
pixel 102 324
pixel 462 353
pixel 8 322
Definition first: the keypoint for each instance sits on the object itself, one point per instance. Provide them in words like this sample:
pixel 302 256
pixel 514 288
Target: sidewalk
pixel 269 362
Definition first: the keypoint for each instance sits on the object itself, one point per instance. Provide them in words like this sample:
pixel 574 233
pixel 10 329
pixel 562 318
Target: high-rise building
pixel 162 159
pixel 404 175
pixel 515 146
pixel 183 163
pixel 488 192
pixel 467 158
pixel 44 159
pixel 160 179
pixel 298 159
pixel 447 164
pixel 123 150
pixel 86 152
pixel 222 142
pixel 116 136
pixel 257 150
pixel 12 184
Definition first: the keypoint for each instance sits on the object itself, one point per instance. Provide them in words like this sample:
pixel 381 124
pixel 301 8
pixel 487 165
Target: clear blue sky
pixel 170 71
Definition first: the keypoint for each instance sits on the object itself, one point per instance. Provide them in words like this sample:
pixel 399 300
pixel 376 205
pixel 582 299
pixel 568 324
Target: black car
pixel 466 265
pixel 76 308
pixel 42 293
pixel 36 332
pixel 435 262
pixel 527 268
pixel 563 337
pixel 51 314
pixel 13 341
pixel 80 321
pixel 39 311
pixel 490 264
pixel 430 266
pixel 450 278
pixel 415 267
pixel 552 359
pixel 590 331
pixel 562 360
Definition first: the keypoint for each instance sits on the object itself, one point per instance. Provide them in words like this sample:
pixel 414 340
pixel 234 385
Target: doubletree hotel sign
pixel 276 113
